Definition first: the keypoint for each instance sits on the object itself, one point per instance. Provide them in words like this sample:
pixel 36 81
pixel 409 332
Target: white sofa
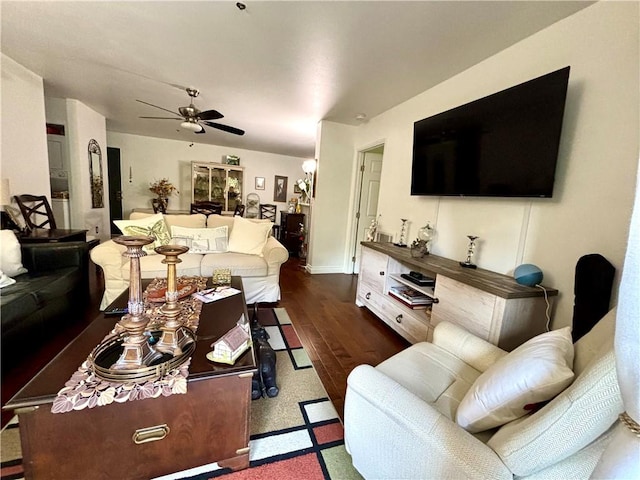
pixel 400 417
pixel 260 272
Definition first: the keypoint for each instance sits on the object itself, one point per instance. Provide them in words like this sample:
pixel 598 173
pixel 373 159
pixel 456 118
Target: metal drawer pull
pixel 150 434
pixel 435 300
pixel 368 296
pixel 399 318
pixel 382 274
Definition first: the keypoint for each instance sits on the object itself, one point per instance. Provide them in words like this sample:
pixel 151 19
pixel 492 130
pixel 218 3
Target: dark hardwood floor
pixel 337 334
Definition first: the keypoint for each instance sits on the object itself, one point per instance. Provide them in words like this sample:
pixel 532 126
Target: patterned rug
pixel 296 435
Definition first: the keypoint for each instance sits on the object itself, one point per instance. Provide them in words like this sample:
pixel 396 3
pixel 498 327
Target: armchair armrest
pixel 391 433
pixel 44 257
pixel 472 350
pixel 108 256
pixel 275 255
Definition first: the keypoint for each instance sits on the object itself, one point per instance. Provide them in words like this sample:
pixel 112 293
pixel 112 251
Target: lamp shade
pixel 309 166
pixel 5 192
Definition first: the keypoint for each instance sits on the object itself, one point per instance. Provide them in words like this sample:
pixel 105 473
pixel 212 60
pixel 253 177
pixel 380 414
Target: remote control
pixel 116 311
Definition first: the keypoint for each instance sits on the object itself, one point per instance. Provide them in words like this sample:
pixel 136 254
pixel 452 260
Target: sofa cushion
pixel 32 291
pixel 241 265
pixel 151 226
pixel 534 372
pixel 248 237
pixel 216 220
pixel 201 240
pixel 151 266
pixel 10 254
pixel 570 422
pixel 433 374
pixel 194 220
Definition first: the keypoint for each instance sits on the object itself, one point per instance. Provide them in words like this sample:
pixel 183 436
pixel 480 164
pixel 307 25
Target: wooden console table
pixel 49 235
pixel 491 305
pixel 210 423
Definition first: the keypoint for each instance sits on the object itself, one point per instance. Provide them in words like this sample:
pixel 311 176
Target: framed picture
pixel 259 183
pixel 280 189
pixel 296 189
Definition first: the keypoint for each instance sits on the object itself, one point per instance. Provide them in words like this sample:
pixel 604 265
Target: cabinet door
pixel 373 268
pixel 201 183
pixel 466 306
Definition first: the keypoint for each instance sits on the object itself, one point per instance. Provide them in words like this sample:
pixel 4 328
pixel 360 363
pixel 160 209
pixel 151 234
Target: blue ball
pixel 527 274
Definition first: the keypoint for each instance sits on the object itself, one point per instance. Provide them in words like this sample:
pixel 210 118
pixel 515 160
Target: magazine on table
pixel 216 293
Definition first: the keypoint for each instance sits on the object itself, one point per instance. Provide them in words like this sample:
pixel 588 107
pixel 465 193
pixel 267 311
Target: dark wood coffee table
pixel 210 423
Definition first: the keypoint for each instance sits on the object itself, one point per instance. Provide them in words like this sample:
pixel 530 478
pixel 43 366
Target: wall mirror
pixel 95 175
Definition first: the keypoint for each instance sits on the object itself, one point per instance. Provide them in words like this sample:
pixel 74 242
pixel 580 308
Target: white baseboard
pixel 318 270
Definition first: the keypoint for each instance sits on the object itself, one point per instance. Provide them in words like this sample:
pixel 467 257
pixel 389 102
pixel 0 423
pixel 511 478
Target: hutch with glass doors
pixel 218 183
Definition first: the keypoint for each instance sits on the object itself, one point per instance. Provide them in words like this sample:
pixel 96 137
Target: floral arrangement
pixel 162 188
pixel 304 185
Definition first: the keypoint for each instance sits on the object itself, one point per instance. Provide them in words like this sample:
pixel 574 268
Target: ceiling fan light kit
pixel 192 118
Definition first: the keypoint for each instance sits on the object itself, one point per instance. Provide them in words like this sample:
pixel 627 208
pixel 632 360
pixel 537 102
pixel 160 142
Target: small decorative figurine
pixel 470 251
pixel 372 230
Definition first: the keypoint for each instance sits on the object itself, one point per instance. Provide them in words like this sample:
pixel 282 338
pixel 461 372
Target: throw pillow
pixel 5 280
pixel 151 226
pixel 248 237
pixel 201 240
pixel 11 255
pixel 534 372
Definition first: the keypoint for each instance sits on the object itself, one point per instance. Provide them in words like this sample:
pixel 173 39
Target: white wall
pixel 85 124
pixel 590 210
pixel 150 159
pixel 333 195
pixel 24 160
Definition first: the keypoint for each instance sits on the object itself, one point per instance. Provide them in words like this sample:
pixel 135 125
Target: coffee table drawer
pixel 210 423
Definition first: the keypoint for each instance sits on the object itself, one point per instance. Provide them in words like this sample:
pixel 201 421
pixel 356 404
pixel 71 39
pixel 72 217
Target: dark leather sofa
pixel 51 294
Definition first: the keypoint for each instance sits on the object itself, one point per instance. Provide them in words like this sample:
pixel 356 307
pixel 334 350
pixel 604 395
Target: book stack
pixel 410 297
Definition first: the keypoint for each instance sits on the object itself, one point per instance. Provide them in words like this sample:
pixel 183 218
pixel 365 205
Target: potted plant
pixel 162 189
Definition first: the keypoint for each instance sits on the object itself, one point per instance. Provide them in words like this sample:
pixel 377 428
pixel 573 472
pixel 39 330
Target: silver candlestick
pixel 403 232
pixel 470 251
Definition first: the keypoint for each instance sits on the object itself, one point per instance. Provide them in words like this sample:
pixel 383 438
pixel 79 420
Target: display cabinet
pixel 217 182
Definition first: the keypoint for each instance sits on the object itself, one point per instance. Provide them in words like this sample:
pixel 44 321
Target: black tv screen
pixel 503 145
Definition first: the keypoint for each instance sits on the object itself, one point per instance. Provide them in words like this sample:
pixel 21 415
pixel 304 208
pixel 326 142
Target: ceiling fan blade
pixel 225 128
pixel 156 106
pixel 210 115
pixel 201 131
pixel 164 118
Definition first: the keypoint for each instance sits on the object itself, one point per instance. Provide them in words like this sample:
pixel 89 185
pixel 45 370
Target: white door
pixel 370 170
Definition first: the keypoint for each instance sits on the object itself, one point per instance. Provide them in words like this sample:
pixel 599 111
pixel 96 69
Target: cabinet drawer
pixel 466 306
pixel 370 298
pixel 373 267
pixel 411 324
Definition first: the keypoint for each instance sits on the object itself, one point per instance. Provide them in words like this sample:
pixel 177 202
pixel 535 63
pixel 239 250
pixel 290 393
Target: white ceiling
pixel 274 69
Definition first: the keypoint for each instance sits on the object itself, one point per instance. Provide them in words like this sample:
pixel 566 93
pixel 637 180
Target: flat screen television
pixel 502 145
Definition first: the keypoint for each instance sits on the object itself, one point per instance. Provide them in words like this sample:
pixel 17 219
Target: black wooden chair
pixel 239 211
pixel 36 211
pixel 268 211
pixel 206 208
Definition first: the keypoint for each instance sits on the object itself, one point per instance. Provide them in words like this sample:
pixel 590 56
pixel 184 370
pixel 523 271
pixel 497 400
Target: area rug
pixel 296 435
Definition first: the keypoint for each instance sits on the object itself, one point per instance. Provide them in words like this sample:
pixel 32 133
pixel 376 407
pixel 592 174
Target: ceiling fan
pixel 193 119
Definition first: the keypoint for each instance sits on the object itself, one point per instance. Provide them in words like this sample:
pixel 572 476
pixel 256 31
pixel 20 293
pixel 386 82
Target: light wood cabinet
pixel 491 305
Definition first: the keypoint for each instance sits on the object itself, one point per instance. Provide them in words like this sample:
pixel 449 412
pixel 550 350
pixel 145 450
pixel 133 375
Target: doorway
pixel 368 189
pixel 115 187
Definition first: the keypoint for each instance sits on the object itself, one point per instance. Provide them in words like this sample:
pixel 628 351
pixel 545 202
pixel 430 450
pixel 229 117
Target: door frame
pixel 357 189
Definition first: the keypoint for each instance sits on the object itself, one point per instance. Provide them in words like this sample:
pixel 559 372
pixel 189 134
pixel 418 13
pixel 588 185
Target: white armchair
pixel 400 416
